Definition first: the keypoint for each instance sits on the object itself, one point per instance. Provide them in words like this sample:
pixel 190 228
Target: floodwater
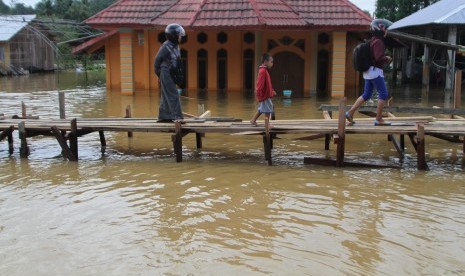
pixel 135 211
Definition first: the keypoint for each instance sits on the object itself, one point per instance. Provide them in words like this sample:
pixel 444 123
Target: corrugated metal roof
pixel 233 13
pixel 10 25
pixel 442 12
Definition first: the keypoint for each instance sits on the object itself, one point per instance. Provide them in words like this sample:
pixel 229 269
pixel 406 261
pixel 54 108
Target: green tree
pixel 4 8
pixel 79 11
pixel 62 7
pixel 20 8
pixel 45 8
pixel 397 9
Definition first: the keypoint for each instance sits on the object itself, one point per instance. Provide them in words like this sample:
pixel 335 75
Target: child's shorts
pixel 265 106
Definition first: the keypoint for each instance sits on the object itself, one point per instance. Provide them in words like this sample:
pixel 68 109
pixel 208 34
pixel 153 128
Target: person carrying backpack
pixel 374 76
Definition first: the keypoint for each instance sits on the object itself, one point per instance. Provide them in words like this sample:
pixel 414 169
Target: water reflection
pixel 136 211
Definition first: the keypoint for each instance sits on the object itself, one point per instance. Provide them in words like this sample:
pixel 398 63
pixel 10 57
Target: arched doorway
pixel 323 74
pixel 202 61
pixel 222 72
pixel 249 68
pixel 184 64
pixel 287 73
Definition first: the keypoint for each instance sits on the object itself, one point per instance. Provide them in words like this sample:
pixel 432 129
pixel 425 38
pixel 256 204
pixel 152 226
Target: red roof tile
pixel 129 13
pixel 232 14
pixel 330 12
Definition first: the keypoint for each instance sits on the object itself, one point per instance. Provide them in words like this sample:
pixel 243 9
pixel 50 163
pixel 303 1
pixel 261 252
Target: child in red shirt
pixel 264 90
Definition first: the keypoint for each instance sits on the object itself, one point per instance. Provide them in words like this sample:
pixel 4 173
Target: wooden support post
pixel 65 150
pixel 421 159
pixel 463 150
pixel 396 144
pixel 177 141
pixel 412 139
pixel 10 142
pixel 8 133
pixel 458 89
pixel 341 129
pixel 198 139
pixel 73 139
pixel 61 101
pixel 327 141
pixel 5 133
pixel 267 142
pixel 24 149
pixel 23 109
pixel 327 115
pixel 129 115
pixel 103 141
pixel 402 142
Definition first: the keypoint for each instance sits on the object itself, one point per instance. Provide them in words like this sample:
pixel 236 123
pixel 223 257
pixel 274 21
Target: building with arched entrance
pixel 311 42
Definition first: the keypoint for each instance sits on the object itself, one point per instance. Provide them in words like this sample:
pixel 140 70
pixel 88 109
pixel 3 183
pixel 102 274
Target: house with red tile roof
pixel 311 42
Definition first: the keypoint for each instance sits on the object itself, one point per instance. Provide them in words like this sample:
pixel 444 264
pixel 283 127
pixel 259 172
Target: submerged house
pixel 23 48
pixel 311 42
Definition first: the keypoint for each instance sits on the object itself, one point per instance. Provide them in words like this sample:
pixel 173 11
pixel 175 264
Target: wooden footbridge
pixel 67 131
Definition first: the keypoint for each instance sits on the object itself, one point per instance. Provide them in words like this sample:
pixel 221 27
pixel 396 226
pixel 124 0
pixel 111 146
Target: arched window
pixel 184 65
pixel 202 62
pixel 222 59
pixel 249 68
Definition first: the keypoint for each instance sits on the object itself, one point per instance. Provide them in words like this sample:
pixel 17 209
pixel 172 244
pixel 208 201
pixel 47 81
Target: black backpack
pixel 362 56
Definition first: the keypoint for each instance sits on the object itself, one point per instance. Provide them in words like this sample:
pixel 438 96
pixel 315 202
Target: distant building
pixel 311 42
pixel 23 48
pixel 443 21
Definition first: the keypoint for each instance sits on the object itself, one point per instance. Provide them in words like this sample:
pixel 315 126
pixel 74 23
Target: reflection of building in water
pixel 311 42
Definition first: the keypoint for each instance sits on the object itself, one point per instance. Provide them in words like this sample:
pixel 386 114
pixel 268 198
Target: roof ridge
pixel 296 12
pixel 261 20
pixel 193 18
pixel 357 9
pixel 457 9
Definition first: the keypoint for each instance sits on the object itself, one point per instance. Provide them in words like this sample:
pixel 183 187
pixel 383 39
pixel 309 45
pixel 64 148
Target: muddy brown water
pixel 135 211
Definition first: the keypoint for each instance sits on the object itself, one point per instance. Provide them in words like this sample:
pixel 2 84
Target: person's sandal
pixel 382 123
pixel 349 118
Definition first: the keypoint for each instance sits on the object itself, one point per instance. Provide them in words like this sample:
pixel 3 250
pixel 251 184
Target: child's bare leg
pixel 268 116
pixel 254 118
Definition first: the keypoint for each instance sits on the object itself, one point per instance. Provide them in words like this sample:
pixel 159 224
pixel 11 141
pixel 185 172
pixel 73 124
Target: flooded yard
pixel 135 211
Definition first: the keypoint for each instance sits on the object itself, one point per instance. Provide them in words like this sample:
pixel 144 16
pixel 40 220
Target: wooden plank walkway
pixel 67 131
